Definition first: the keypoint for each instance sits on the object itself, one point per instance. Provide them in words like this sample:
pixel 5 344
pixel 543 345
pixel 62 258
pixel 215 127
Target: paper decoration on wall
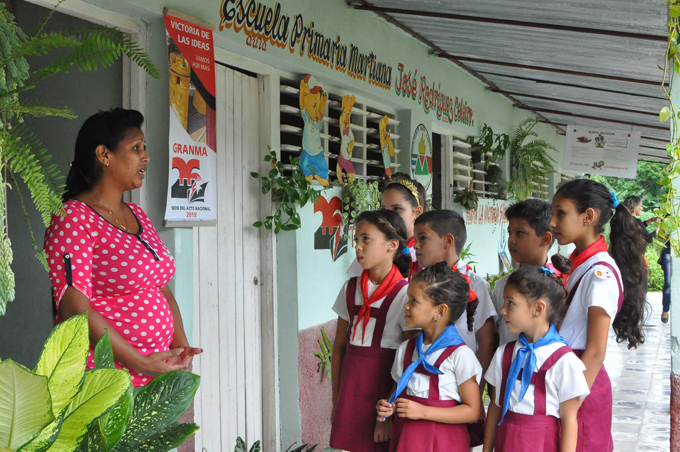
pixel 386 145
pixel 191 199
pixel 330 235
pixel 604 152
pixel 312 102
pixel 421 156
pixel 346 140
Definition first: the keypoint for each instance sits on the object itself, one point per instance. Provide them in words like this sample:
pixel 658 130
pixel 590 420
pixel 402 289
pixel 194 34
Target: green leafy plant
pixel 529 160
pixel 492 279
pixel 466 255
pixel 325 354
pixel 60 406
pixel 301 448
pixel 670 207
pixel 289 191
pixel 467 198
pixel 357 197
pixel 242 447
pixel 488 142
pixel 22 155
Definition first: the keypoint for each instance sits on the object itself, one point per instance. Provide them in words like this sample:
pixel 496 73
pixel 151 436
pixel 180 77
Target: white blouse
pixel 563 381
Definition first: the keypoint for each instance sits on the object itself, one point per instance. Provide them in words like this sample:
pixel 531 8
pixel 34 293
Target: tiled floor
pixel 641 385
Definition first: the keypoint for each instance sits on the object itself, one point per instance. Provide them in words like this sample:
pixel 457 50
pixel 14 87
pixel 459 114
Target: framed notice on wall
pixel 601 151
pixel 191 199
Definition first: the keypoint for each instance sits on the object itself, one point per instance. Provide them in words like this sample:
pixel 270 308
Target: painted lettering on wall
pixel 430 96
pixel 264 25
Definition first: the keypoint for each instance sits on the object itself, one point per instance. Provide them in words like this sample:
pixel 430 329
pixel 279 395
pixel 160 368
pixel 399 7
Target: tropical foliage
pixel 529 160
pixel 60 406
pixel 22 155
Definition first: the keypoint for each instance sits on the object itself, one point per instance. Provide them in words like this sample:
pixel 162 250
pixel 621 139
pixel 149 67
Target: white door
pixel 227 291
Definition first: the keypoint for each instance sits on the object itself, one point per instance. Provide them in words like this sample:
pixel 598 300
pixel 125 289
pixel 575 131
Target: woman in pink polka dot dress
pixel 106 258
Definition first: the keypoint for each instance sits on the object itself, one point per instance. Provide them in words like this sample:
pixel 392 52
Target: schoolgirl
pixel 405 196
pixel 439 373
pixel 370 327
pixel 605 287
pixel 538 381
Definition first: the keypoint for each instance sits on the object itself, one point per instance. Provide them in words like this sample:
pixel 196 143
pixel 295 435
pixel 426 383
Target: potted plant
pixel 467 198
pixel 495 144
pixel 529 160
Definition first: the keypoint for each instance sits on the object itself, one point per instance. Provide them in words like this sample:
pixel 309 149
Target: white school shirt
pixel 597 288
pixel 504 335
pixel 485 307
pixel 563 381
pixel 395 324
pixel 458 368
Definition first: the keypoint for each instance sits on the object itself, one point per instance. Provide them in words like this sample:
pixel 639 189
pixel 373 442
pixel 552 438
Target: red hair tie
pixel 473 294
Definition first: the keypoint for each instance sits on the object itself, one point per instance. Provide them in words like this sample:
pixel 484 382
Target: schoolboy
pixel 440 236
pixel 529 239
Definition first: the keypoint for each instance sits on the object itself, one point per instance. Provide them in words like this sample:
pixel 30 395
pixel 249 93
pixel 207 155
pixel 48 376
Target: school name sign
pixel 266 25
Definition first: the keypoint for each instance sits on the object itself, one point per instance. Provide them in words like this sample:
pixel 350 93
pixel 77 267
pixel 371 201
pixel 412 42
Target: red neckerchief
pixel 473 294
pixel 393 277
pixel 577 258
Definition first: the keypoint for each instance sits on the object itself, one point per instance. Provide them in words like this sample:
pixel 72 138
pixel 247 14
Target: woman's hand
pixel 185 357
pixel 384 409
pixel 383 431
pixel 409 409
pixel 158 363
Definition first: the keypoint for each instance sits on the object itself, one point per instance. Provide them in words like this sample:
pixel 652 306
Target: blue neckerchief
pixel 550 337
pixel 448 338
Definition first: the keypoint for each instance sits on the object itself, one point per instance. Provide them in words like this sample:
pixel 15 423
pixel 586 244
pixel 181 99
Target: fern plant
pixel 529 161
pixel 22 155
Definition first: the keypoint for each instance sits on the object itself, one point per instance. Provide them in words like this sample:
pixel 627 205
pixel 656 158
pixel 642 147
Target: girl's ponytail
pixel 627 247
pixel 561 263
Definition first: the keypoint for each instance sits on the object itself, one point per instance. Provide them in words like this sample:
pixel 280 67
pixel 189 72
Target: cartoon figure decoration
pixel 346 141
pixel 386 145
pixel 312 102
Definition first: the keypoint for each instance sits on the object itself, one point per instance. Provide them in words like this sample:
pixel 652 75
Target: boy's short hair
pixel 536 212
pixel 446 222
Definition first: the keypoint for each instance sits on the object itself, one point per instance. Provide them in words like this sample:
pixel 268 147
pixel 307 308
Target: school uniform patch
pixel 603 273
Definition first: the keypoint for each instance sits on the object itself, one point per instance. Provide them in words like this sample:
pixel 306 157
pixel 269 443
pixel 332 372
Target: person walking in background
pixel 634 205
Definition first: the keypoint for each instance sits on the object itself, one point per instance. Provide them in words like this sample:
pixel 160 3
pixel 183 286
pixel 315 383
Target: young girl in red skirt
pixel 538 380
pixel 605 287
pixel 371 326
pixel 437 391
pixel 407 197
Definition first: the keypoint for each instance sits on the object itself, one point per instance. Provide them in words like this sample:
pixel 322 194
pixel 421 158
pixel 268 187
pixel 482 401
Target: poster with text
pixel 601 151
pixel 192 199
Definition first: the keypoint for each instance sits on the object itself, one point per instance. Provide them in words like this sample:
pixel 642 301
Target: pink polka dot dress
pixel 119 272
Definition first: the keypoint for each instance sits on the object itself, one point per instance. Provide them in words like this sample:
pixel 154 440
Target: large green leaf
pixel 63 361
pixel 25 405
pixel 94 441
pixel 103 353
pixel 5 449
pixel 45 439
pixel 165 440
pixel 158 406
pixel 102 389
pixel 114 423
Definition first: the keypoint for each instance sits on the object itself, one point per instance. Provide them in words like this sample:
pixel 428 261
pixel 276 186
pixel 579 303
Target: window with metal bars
pixel 366 156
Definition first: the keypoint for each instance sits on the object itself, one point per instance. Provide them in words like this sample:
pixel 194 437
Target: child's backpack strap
pixel 538 379
pixel 507 362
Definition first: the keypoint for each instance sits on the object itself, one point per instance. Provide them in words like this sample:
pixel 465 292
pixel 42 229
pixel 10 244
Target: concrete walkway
pixel 641 386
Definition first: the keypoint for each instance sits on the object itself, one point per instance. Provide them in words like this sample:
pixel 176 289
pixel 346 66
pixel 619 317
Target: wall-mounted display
pixel 601 151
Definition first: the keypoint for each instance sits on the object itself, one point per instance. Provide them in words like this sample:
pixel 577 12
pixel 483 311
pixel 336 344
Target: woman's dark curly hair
pixel 627 247
pixel 537 284
pixel 444 286
pixel 393 227
pixel 107 128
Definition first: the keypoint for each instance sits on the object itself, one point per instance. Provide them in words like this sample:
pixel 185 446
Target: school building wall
pixel 309 279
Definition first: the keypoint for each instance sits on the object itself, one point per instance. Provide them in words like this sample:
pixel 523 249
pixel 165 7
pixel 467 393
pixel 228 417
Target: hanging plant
pixel 467 198
pixel 529 161
pixel 357 197
pixel 494 144
pixel 289 191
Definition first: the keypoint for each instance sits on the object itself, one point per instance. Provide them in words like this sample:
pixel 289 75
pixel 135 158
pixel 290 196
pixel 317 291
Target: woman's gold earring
pixel 107 163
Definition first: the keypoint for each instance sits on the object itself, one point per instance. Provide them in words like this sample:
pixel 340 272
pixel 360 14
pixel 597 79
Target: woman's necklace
pixel 124 228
